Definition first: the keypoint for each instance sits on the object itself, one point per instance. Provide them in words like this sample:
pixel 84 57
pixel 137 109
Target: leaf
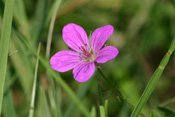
pixel 8 105
pixel 4 44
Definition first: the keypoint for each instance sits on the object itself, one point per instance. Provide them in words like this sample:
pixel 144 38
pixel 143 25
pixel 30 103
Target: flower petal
pixel 84 71
pixel 75 36
pixel 64 60
pixel 99 37
pixel 107 53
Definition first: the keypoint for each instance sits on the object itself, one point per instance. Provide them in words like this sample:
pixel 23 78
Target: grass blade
pixel 51 90
pixel 51 27
pixel 38 20
pixel 21 18
pixel 4 44
pixel 8 108
pixel 34 85
pixel 154 79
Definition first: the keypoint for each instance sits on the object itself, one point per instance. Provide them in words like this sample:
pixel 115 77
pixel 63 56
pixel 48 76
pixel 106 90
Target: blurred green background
pixel 143 32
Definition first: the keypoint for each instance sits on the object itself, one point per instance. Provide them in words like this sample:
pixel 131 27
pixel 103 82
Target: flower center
pixel 87 54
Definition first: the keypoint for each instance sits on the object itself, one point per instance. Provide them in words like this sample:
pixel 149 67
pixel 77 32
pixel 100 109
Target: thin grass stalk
pixel 51 27
pixel 31 112
pixel 153 81
pixel 4 44
pixel 52 11
pixel 52 92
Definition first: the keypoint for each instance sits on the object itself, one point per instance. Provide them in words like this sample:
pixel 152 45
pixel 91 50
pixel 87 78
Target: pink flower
pixel 84 55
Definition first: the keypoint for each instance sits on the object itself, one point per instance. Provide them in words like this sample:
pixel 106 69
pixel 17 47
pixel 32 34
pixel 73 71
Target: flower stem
pixel 116 90
pixel 106 79
pixel 99 93
pixel 154 79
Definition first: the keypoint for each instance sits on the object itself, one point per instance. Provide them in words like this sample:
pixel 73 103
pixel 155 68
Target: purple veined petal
pixel 100 36
pixel 107 53
pixel 84 71
pixel 64 60
pixel 75 36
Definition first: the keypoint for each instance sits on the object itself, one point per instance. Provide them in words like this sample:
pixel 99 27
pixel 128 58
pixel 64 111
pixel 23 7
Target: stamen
pixel 84 50
pixel 86 53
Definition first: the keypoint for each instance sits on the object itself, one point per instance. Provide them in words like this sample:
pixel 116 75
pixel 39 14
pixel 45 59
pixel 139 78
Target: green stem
pixel 51 90
pixel 154 80
pixel 4 44
pixel 117 92
pixel 31 113
pixel 106 108
pixel 99 93
pixel 51 27
pixel 106 79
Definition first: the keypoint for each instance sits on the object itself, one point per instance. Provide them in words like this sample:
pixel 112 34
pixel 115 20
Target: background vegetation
pixel 143 32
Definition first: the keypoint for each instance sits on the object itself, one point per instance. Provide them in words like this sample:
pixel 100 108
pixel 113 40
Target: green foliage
pixel 165 112
pixel 4 44
pixel 143 32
